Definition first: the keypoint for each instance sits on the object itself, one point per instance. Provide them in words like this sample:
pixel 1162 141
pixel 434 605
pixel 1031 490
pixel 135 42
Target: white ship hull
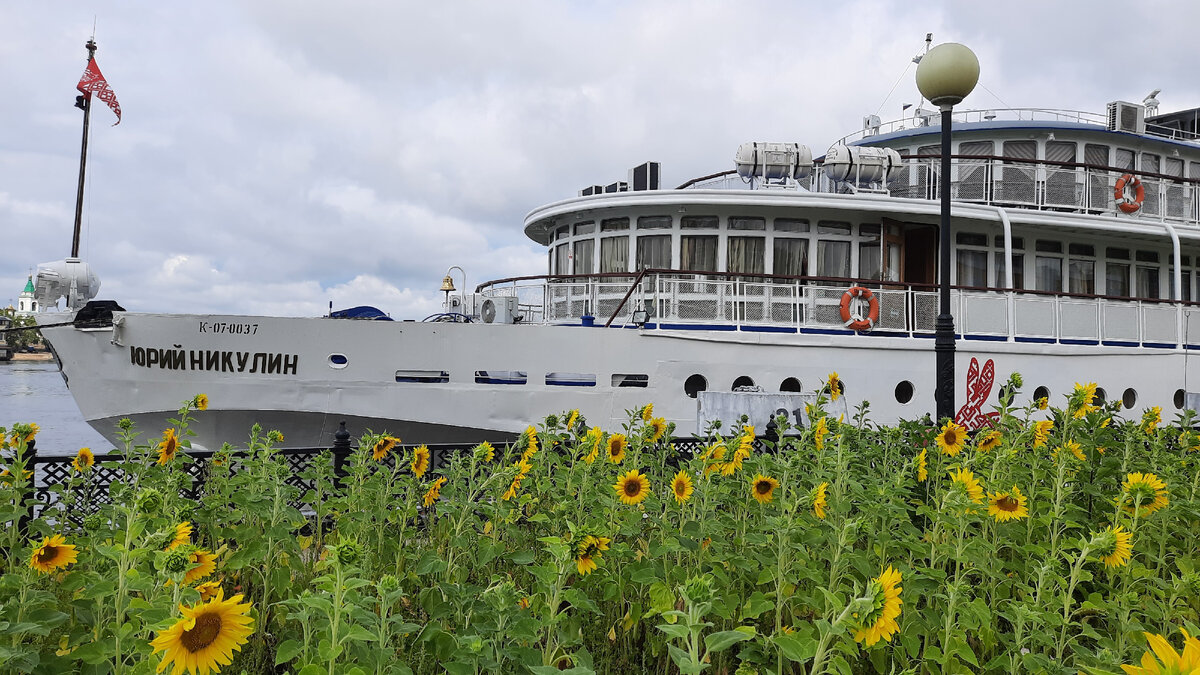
pixel 113 375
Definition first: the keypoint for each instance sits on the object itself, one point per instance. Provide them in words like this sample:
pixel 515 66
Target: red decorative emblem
pixel 979 388
pixel 93 82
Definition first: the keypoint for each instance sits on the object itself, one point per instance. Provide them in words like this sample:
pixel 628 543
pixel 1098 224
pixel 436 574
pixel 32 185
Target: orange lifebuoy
pixel 1126 203
pixel 852 308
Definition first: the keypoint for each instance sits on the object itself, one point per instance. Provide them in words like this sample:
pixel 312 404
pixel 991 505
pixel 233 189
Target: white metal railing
pixel 933 118
pixel 675 300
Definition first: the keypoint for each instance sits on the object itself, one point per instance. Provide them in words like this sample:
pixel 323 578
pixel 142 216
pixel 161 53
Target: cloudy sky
pixel 275 155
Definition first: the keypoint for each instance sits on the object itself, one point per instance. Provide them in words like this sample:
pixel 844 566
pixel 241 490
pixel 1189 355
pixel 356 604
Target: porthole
pixel 1101 396
pixel 338 361
pixel 1180 399
pixel 1041 393
pixel 791 385
pixel 1129 398
pixel 841 387
pixel 694 385
pixel 742 381
pixel 904 392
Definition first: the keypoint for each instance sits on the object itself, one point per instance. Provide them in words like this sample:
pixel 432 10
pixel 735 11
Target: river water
pixel 34 391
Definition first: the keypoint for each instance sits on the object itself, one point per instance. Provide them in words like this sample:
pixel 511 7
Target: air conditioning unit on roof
pixel 1128 117
pixel 499 310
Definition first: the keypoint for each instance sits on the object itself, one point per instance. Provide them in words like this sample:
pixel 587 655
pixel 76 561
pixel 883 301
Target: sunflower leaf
pixel 720 641
pixel 676 630
pixel 288 650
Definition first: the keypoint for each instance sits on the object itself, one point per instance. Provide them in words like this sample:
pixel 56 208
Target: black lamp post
pixel 946 75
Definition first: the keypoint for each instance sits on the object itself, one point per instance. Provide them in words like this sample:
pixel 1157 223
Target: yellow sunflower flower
pixel 1041 432
pixel 205 564
pixel 200 402
pixel 1043 403
pixel 1114 546
pixel 880 622
pixel 990 440
pixel 819 501
pixel 632 488
pixel 658 427
pixel 572 417
pixel 206 637
pixel 208 590
pixel 593 441
pixel 183 535
pixel 965 479
pixel 587 553
pixel 84 460
pixel 762 488
pixel 922 473
pixel 950 440
pixel 1082 398
pixel 168 446
pixel 54 552
pixel 531 448
pixel 1186 662
pixel 382 447
pixel 835 386
pixel 488 452
pixel 647 412
pixel 820 431
pixel 1144 493
pixel 1005 506
pixel 681 487
pixel 1151 419
pixel 434 492
pixel 616 448
pixel 420 461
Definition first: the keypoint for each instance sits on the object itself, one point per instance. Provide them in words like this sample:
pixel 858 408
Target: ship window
pixel 870 262
pixel 501 377
pixel 1081 276
pixel 746 255
pixel 791 257
pixel 423 376
pixel 1081 249
pixel 694 385
pixel 1018 243
pixel 972 268
pixel 653 252
pixel 1040 393
pixel 1193 169
pixel 338 361
pixel 654 222
pixel 742 381
pixel 1018 269
pixel 1044 246
pixel 570 379
pixel 1129 398
pixel 972 239
pixel 747 223
pixel 1123 161
pixel 904 392
pixel 562 259
pixel 585 253
pixel 698 222
pixel 630 380
pixel 791 385
pixel 833 259
pixel 1147 282
pixel 1116 279
pixel 614 254
pixel 870 231
pixel 1117 253
pixel 791 225
pixel 1048 271
pixel 561 233
pixel 698 253
pixel 1147 256
pixel 614 224
pixel 585 228
pixel 832 227
pixel 1179 399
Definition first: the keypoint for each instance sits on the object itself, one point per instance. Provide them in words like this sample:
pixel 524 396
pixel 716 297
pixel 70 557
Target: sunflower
pixel 1043 403
pixel 616 448
pixel 950 440
pixel 587 553
pixel 208 590
pixel 922 473
pixel 420 461
pixel 647 412
pixel 762 488
pixel 740 455
pixel 1004 506
pixel 1144 493
pixel 1114 547
pixel 1186 661
pixel 200 402
pixel 1081 400
pixel 835 386
pixel 990 441
pixel 1041 432
pixel 382 447
pixel 681 487
pixel 1151 419
pixel 183 535
pixel 819 433
pixel 434 492
pixel 168 446
pixel 633 487
pixel 205 564
pixel 523 468
pixel 54 552
pixel 572 417
pixel 658 427
pixel 880 622
pixel 206 637
pixel 531 446
pixel 819 502
pixel 966 479
pixel 1075 450
pixel 84 460
pixel 486 452
pixel 593 441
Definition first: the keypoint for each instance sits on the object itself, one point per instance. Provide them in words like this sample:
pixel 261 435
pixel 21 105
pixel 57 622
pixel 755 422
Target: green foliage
pixel 526 561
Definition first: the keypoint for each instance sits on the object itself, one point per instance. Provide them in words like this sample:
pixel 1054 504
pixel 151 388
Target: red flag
pixel 93 82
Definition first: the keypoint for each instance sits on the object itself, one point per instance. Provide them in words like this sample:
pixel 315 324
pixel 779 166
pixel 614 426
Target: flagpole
pixel 83 101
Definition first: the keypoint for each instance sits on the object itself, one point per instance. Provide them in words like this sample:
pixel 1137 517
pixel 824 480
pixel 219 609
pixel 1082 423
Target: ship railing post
pixel 341 451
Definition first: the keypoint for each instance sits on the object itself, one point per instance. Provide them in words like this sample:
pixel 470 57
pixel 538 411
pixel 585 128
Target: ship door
pixel 893 252
pixel 909 252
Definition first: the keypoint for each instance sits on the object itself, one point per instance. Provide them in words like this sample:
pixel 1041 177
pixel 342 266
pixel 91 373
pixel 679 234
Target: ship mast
pixel 83 102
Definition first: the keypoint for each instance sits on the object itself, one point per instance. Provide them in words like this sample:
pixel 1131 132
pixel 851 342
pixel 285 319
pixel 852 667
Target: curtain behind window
pixel 833 259
pixel 614 254
pixel 747 255
pixel 791 256
pixel 698 252
pixel 653 252
pixel 585 251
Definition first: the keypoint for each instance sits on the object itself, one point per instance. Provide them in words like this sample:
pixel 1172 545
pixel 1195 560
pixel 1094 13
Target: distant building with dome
pixel 26 305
